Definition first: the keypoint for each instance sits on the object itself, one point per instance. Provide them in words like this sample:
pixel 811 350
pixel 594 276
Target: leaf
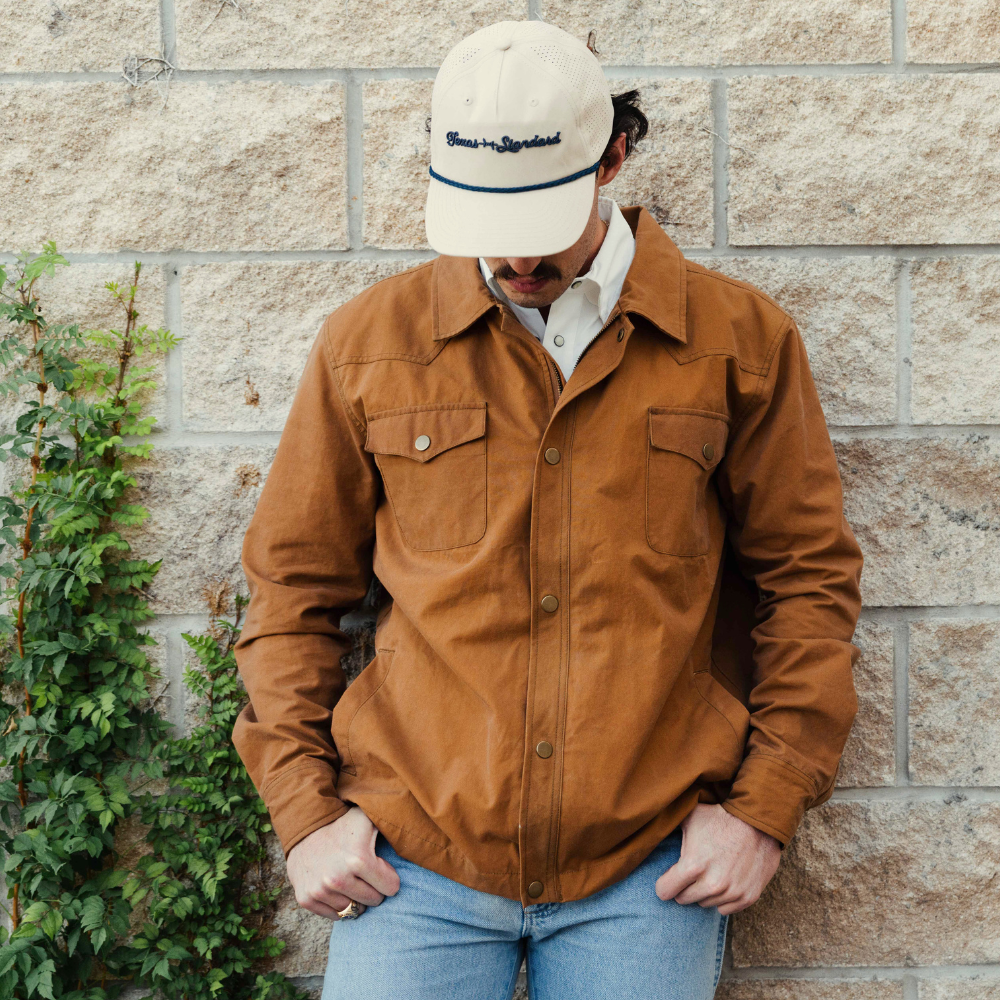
pixel 52 923
pixel 34 913
pixel 93 913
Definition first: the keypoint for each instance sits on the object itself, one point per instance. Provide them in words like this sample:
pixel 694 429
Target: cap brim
pixel 464 223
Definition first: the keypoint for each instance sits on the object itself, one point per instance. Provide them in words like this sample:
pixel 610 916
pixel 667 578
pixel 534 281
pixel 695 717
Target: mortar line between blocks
pixel 168 30
pixel 173 319
pixel 189 438
pixel 902 614
pixel 354 135
pixel 901 701
pixel 322 74
pixel 898 16
pixel 904 345
pixel 836 252
pixel 534 10
pixel 910 988
pixel 934 795
pixel 860 973
pixel 174 657
pixel 720 163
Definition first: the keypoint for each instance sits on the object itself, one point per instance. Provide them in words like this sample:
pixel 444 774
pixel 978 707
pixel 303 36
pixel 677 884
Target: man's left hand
pixel 724 862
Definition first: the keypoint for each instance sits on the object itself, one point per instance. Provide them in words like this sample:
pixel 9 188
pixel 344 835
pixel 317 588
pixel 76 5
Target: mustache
pixel 543 270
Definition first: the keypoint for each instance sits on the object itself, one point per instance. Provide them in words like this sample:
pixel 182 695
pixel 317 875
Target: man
pixel 556 445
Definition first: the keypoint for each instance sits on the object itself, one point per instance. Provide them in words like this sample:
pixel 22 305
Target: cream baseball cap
pixel 521 114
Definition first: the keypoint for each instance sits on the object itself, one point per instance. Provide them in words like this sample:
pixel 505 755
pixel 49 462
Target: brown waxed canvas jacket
pixel 610 599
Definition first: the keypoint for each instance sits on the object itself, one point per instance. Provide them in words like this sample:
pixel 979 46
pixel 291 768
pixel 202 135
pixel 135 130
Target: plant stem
pixel 22 792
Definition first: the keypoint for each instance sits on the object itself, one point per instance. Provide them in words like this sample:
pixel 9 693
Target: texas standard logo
pixel 506 144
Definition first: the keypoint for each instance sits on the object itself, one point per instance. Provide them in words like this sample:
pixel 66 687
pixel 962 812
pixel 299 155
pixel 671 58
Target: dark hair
pixel 627 118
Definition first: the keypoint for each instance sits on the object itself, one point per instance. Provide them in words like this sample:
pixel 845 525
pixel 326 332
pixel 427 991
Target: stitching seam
pixel 298 767
pixel 762 376
pixel 784 763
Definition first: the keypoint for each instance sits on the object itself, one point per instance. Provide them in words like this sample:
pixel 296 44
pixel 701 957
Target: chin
pixel 531 300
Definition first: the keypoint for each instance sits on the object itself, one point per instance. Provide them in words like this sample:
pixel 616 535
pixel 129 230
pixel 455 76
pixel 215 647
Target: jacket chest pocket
pixel 433 464
pixel 684 448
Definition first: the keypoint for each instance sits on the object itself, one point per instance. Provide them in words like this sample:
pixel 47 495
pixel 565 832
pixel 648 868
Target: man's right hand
pixel 338 863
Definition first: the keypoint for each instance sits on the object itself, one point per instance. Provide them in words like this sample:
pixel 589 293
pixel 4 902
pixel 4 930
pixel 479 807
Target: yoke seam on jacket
pixel 763 375
pixel 334 369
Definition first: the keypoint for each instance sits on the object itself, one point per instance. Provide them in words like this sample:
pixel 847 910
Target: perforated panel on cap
pixel 585 78
pixel 458 57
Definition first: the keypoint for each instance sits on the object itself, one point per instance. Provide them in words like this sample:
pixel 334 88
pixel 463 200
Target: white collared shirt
pixel 578 315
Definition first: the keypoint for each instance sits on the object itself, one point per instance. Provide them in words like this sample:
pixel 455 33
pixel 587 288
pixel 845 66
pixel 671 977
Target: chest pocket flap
pixel 682 510
pixel 422 432
pixel 699 436
pixel 433 463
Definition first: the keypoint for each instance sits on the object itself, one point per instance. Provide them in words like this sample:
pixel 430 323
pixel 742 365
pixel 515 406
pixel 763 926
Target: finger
pixel 357 888
pixel 677 878
pixel 322 910
pixel 704 888
pixel 736 905
pixel 721 898
pixel 376 871
pixel 380 875
pixel 324 900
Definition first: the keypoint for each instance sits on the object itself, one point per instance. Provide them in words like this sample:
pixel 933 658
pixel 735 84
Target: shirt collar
pixel 655 285
pixel 603 281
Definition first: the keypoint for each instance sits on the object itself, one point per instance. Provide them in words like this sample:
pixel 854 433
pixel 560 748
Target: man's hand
pixel 338 863
pixel 724 862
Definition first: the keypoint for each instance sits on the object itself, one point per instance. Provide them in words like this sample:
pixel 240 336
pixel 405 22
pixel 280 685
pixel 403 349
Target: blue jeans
pixel 439 940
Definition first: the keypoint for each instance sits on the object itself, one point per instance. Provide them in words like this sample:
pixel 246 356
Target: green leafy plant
pixel 80 739
pixel 77 724
pixel 207 882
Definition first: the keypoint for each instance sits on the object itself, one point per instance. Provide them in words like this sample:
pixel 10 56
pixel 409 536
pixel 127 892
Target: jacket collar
pixel 655 286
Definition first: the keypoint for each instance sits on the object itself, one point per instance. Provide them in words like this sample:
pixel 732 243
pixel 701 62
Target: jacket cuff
pixel 770 795
pixel 301 800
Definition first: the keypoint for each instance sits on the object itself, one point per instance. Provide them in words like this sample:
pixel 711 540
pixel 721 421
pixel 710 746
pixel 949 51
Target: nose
pixel 524 265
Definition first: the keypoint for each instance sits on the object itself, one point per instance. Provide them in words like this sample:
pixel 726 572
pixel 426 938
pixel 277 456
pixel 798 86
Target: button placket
pixel 541 804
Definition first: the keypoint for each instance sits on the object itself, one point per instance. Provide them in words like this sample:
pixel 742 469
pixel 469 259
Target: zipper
pixel 555 367
pixel 556 372
pixel 596 335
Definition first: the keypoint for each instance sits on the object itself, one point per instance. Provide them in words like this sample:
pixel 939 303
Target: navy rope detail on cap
pixel 514 190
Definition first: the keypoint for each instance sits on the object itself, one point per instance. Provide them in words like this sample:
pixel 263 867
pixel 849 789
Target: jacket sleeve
pixel 780 482
pixel 307 557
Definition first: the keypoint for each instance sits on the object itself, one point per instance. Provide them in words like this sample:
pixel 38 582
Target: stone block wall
pixel 844 157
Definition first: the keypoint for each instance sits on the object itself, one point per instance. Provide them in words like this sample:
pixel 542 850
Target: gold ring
pixel 352 910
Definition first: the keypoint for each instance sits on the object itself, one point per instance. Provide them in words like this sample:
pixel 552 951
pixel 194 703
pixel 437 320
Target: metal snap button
pixel 550 602
pixel 552 455
pixel 535 889
pixel 544 749
pixel 621 334
pixel 422 443
pixel 558 340
pixel 708 451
